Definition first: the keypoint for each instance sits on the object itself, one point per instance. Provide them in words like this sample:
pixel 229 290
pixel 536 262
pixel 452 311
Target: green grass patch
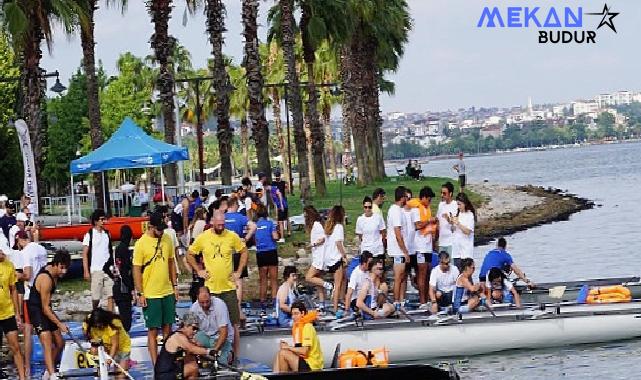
pixel 72 285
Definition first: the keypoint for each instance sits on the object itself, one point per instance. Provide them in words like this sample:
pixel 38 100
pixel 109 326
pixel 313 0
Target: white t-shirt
pixel 370 228
pixel 178 209
pixel 422 243
pixel 35 256
pixel 99 249
pixel 174 238
pixel 316 234
pixel 218 316
pixel 32 210
pixel 356 280
pixel 410 217
pixel 463 246
pixel 444 281
pixel 395 219
pixel 461 167
pixel 12 235
pixel 445 235
pixel 332 254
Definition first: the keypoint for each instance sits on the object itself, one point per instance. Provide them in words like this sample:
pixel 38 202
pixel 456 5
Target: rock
pixel 301 252
pixel 303 261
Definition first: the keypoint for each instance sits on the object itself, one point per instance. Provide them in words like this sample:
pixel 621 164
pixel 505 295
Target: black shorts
pixel 413 264
pixel 40 322
pixel 20 284
pixel 236 263
pixel 303 366
pixel 333 268
pixel 461 180
pixel 445 300
pixel 282 215
pixel 8 325
pixel 267 258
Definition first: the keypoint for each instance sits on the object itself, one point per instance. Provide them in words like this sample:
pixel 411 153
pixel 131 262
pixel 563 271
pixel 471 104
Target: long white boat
pixel 420 337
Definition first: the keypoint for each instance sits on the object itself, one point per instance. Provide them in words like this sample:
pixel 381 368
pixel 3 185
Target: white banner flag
pixel 30 183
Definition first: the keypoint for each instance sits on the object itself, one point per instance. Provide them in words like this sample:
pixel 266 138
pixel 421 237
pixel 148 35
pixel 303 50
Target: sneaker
pixel 281 240
pixel 252 248
pixel 424 306
pixel 397 306
pixel 328 286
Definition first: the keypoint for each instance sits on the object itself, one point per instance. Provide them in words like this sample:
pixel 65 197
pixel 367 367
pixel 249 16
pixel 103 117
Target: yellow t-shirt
pixel 7 279
pixel 105 335
pixel 376 209
pixel 314 355
pixel 156 282
pixel 218 253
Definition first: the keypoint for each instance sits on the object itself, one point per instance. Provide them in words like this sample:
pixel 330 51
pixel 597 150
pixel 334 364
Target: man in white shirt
pixel 423 245
pixel 410 217
pixel 370 229
pixel 442 282
pixel 216 331
pixel 95 253
pixel 447 209
pixel 396 247
pixel 460 169
pixel 356 278
pixel 21 223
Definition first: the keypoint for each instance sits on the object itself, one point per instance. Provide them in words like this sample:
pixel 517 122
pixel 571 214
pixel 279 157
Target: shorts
pixel 231 300
pixel 20 284
pixel 461 180
pixel 303 366
pixel 101 286
pixel 160 312
pixel 317 261
pixel 8 325
pixel 334 267
pixel 207 341
pixel 122 356
pixel 445 300
pixel 283 215
pixel 267 258
pixel 40 322
pixel 25 312
pixel 236 263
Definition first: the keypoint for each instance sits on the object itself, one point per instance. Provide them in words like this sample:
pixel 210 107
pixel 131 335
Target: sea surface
pixel 601 242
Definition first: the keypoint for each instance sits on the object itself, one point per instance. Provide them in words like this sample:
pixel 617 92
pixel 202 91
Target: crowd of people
pixel 211 236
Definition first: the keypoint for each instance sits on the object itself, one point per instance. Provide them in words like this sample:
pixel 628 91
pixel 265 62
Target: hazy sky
pixel 448 63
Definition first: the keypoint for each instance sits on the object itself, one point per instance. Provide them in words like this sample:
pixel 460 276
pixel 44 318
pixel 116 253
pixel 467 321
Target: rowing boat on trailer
pixel 77 231
pixel 541 294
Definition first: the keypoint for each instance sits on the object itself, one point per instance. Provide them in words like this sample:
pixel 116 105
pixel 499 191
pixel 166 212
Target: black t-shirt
pixel 6 222
pixel 281 187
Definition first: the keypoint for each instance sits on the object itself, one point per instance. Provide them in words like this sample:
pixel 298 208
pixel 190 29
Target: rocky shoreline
pixel 547 205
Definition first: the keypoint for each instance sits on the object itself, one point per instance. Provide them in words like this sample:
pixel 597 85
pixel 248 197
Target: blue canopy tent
pixel 128 148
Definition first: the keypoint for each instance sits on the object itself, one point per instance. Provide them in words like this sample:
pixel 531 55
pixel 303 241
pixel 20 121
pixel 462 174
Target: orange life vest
pixel 425 215
pixel 297 328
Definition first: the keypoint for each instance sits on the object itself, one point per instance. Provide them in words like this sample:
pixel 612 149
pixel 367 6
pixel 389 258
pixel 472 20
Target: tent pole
pixel 162 185
pixel 71 211
pixel 104 195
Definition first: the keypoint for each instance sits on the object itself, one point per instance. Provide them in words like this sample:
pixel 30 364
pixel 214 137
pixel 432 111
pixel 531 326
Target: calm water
pixel 596 243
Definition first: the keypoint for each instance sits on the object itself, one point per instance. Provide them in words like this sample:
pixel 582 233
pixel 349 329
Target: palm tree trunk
pixel 244 143
pixel 87 40
pixel 251 62
pixel 310 159
pixel 162 44
pixel 327 115
pixel 215 10
pixel 294 98
pixel 282 147
pixel 372 106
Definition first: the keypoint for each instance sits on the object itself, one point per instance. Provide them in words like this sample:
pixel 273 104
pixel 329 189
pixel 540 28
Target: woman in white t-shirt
pixel 463 222
pixel 335 256
pixel 314 228
pixel 370 229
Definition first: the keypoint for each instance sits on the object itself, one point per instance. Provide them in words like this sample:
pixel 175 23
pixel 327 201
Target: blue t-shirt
pixel 275 190
pixel 237 222
pixel 264 239
pixel 496 258
pixel 193 206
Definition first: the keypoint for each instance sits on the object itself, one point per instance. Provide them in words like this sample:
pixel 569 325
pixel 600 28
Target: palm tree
pixel 326 69
pixel 215 11
pixel 29 22
pixel 163 44
pixel 252 65
pixel 239 107
pixel 288 33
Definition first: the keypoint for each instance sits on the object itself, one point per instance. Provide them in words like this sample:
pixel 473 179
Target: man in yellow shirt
pixel 155 280
pixel 217 246
pixel 378 197
pixel 9 320
pixel 305 355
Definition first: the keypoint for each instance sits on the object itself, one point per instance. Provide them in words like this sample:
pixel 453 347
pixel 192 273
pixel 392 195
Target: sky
pixel 448 63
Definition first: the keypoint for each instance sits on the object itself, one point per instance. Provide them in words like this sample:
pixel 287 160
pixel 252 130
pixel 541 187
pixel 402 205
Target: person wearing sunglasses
pixel 176 358
pixel 447 209
pixel 370 229
pixel 442 282
pixel 96 250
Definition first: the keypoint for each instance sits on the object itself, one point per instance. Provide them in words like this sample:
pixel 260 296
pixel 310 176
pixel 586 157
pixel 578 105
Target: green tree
pixel 606 122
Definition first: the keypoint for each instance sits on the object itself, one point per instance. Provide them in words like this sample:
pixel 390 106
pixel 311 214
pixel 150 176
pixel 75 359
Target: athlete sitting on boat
pixel 442 282
pixel 286 296
pixel 216 331
pixel 305 355
pixel 500 258
pixel 370 302
pixel 467 296
pixel 106 327
pixel 500 290
pixel 356 279
pixel 175 359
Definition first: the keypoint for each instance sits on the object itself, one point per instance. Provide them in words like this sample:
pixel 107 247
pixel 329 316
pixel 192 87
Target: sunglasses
pixel 367 207
pixel 195 328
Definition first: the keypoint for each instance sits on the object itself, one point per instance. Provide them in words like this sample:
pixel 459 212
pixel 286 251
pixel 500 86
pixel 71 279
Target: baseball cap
pixel 157 220
pixel 22 235
pixel 22 217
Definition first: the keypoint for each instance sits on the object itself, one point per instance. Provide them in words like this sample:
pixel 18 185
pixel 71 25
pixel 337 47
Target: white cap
pixel 3 198
pixel 22 217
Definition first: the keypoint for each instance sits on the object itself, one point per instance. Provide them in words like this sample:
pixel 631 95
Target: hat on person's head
pixel 22 235
pixel 157 220
pixel 277 173
pixel 21 217
pixel 261 175
pixel 11 205
pixel 189 319
pixel 3 198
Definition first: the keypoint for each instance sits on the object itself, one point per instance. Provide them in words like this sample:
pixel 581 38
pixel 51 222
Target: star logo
pixel 607 17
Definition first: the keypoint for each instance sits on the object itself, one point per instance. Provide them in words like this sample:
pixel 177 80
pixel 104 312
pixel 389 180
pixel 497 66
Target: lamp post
pixel 334 90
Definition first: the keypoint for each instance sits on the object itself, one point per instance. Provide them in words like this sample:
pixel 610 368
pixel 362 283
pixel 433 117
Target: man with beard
pixel 218 246
pixel 154 275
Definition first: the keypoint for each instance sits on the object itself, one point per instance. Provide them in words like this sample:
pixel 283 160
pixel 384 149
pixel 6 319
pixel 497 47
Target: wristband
pixel 213 353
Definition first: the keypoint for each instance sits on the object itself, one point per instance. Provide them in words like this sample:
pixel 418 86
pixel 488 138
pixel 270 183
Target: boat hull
pixel 77 231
